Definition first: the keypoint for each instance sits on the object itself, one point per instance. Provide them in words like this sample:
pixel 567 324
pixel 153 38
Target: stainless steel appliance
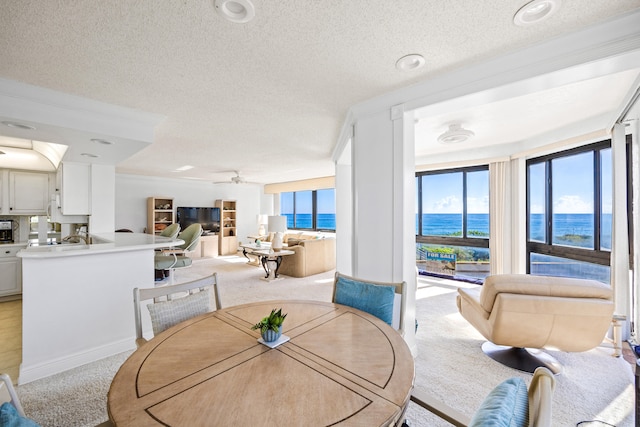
pixel 6 231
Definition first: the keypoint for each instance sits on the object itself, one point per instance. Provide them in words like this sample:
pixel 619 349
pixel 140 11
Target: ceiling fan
pixel 237 179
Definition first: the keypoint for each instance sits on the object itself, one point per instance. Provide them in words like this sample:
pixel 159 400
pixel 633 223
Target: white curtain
pixel 499 217
pixel 620 230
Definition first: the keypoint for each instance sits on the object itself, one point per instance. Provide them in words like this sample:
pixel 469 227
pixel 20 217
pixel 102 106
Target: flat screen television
pixel 209 218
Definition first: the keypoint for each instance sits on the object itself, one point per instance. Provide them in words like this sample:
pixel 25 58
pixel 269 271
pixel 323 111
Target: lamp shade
pixel 277 223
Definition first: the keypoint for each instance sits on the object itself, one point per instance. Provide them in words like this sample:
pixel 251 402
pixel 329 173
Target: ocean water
pixel 568 229
pixel 325 221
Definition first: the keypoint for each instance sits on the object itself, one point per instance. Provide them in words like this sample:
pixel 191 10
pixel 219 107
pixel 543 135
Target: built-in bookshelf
pixel 228 237
pixel 160 214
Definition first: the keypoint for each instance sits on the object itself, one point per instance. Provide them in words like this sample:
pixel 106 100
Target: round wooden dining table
pixel 340 367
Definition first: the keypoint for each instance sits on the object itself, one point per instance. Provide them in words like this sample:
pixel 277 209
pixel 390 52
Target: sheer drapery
pixel 499 217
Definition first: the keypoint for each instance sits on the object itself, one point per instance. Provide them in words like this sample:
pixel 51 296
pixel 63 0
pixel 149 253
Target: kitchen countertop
pixel 101 243
pixel 13 245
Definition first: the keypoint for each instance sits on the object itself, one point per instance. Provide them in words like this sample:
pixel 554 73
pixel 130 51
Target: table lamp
pixel 277 225
pixel 263 220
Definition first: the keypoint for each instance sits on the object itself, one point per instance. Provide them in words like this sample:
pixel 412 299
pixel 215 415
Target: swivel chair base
pixel 522 359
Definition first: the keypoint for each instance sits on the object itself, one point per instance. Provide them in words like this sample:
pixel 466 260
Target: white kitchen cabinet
pixel 10 271
pixel 74 184
pixel 28 193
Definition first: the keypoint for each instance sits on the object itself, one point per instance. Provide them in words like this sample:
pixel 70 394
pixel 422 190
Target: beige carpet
pixel 450 364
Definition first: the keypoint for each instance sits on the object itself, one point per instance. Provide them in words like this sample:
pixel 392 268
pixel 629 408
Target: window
pixel 569 213
pixel 453 218
pixel 309 210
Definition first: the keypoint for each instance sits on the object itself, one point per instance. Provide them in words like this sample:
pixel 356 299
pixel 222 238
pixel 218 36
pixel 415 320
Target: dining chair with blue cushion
pixel 510 404
pixel 381 299
pixel 172 304
pixel 11 412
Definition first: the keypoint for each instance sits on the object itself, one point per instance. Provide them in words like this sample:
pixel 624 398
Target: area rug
pixel 449 365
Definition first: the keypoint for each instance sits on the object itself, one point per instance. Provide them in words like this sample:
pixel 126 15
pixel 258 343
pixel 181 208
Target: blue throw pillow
pixel 506 406
pixel 374 299
pixel 9 417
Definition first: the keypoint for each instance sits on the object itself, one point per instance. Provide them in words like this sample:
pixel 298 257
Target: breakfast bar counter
pixel 77 299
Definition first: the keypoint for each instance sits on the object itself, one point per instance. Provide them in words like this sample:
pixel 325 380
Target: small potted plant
pixel 271 326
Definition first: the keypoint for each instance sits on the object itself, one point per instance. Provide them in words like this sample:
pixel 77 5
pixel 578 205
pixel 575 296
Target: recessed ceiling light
pixel 455 135
pixel 239 11
pixel 410 62
pixel 184 168
pixel 93 156
pixel 536 11
pixel 101 141
pixel 18 125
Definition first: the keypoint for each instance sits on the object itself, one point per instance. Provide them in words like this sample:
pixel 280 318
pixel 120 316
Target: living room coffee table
pixel 250 248
pixel 267 256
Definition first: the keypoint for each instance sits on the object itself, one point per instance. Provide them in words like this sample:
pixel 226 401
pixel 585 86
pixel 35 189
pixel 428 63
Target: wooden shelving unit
pixel 160 214
pixel 228 237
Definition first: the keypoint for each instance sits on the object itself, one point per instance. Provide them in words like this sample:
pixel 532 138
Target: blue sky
pixel 572 188
pixel 443 193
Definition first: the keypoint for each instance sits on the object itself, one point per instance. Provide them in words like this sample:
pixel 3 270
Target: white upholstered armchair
pixel 519 313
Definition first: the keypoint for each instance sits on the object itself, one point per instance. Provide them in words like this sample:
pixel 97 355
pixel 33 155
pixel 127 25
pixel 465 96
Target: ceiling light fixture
pixel 239 11
pixel 410 62
pixel 18 125
pixel 101 141
pixel 536 11
pixel 93 156
pixel 455 135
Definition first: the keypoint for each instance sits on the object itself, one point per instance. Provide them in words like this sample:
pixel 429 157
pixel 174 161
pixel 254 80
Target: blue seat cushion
pixel 506 406
pixel 373 299
pixel 9 417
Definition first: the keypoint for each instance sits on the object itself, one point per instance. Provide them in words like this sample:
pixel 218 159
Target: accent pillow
pixel 506 406
pixel 9 417
pixel 168 313
pixel 374 299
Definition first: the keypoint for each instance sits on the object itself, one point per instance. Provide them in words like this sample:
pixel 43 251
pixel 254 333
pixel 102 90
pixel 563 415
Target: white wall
pixel 132 192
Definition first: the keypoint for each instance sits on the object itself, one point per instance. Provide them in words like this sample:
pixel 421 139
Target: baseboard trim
pixel 29 373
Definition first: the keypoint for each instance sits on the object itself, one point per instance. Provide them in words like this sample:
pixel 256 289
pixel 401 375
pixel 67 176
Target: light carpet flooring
pixel 450 364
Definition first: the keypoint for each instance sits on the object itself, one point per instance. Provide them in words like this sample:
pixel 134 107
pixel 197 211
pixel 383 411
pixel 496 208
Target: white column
pixel 383 172
pixel 620 230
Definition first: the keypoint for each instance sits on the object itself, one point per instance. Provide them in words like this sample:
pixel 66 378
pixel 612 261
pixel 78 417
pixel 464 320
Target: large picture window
pixel 453 218
pixel 309 210
pixel 569 213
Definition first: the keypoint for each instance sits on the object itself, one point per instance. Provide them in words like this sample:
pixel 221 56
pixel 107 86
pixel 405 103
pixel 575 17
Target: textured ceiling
pixel 267 98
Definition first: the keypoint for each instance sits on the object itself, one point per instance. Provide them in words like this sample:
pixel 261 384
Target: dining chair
pixel 172 304
pixel 8 393
pixel 509 403
pixel 381 299
pixel 171 231
pixel 177 257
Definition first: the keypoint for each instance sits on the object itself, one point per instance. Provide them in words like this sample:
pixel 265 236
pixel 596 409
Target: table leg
pixel 278 262
pixel 264 259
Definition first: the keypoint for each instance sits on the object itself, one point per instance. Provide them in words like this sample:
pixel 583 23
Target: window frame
pixel 595 255
pixel 464 240
pixel 314 213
